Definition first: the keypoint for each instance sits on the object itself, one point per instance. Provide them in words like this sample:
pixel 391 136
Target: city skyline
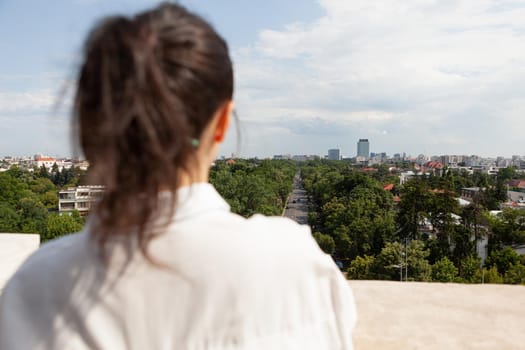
pixel 321 154
pixel 310 75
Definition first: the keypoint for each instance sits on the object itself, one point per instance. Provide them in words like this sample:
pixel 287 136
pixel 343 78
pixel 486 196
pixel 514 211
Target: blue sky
pixel 423 76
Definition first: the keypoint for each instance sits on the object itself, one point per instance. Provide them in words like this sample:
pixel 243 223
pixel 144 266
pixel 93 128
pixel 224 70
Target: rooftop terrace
pixel 396 315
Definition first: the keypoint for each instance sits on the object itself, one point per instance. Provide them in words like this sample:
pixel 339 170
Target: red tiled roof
pixel 434 165
pixel 517 183
pixel 389 187
pixel 45 159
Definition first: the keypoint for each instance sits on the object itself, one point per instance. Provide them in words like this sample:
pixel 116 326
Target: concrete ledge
pixel 14 249
pixel 412 315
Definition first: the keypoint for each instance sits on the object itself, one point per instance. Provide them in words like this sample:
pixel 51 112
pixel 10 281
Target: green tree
pixel 41 185
pixel 491 275
pixel 506 229
pixel 503 259
pixel 441 207
pixel 253 186
pixel 55 174
pixel 9 219
pixel 473 218
pixel 444 270
pixel 463 243
pixel 419 268
pixel 43 173
pixel 392 258
pixel 33 215
pixel 470 267
pixel 49 199
pixel 413 208
pixel 59 225
pixel 507 173
pixel 515 274
pixel 326 242
pixel 361 268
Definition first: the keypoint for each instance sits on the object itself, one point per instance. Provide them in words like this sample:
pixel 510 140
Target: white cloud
pixel 444 76
pixel 13 102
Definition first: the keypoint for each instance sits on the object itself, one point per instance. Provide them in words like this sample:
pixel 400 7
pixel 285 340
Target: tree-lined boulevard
pixel 297 205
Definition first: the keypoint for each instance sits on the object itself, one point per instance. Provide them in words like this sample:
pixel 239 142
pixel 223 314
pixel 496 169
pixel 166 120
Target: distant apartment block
pixel 469 192
pixel 282 157
pixel 62 163
pixel 334 154
pixel 43 161
pixel 296 157
pixel 78 198
pixel 300 158
pixel 304 157
pixel 379 156
pixel 453 160
pixel 363 148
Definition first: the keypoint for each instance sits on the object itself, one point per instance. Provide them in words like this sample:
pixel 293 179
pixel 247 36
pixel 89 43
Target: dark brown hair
pixel 147 87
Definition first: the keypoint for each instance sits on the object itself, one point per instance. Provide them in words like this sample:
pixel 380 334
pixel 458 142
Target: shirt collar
pixel 198 198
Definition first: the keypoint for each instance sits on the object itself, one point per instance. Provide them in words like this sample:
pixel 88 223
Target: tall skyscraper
pixel 334 154
pixel 363 148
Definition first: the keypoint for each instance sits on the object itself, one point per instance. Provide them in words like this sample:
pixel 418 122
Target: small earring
pixel 195 143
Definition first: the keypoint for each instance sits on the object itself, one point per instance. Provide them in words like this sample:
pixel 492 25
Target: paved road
pixel 297 208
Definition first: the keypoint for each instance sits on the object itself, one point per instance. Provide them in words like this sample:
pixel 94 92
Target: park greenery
pixel 254 186
pixel 29 199
pixel 415 231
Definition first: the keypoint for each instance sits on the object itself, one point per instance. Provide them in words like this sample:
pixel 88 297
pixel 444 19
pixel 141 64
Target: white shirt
pixel 234 283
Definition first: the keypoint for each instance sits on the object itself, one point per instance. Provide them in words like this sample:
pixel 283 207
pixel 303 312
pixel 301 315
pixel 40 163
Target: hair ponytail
pixel 148 86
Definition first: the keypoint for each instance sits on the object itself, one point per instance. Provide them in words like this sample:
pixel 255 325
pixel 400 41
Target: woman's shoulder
pixel 281 228
pixel 271 237
pixel 225 237
pixel 51 262
pixel 260 228
pixel 280 223
pixel 58 250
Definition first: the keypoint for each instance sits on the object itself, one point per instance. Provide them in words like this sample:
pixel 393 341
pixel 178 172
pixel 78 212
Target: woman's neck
pixel 186 179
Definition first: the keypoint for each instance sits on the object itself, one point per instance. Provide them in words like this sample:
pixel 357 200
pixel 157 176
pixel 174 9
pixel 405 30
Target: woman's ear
pixel 223 121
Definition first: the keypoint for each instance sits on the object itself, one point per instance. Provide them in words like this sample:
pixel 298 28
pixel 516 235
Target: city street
pixel 297 206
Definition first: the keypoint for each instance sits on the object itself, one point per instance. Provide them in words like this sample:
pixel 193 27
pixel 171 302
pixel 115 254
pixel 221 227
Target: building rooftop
pixel 414 315
pixel 395 315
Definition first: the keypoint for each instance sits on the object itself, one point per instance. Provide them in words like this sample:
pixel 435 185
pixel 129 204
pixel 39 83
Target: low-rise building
pixel 43 161
pixel 405 176
pixel 517 184
pixel 79 198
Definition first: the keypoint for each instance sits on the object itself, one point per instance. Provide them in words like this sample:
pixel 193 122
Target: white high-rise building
pixel 363 148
